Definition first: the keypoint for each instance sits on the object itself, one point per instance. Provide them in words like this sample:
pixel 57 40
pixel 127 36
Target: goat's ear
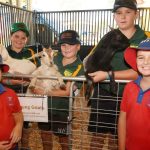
pixel 111 28
pixel 44 49
pixel 48 51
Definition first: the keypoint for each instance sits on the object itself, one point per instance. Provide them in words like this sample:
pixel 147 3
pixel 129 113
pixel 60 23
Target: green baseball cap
pixel 19 26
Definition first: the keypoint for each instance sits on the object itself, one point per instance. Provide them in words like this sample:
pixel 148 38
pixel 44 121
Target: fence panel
pixel 73 132
pixel 90 24
pixel 45 27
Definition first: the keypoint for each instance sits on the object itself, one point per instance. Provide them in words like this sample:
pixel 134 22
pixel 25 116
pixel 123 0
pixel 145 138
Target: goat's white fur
pixel 47 69
pixel 23 66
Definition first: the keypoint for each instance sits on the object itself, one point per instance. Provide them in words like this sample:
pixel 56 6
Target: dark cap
pixel 69 37
pixel 132 4
pixel 19 26
pixel 4 67
pixel 130 52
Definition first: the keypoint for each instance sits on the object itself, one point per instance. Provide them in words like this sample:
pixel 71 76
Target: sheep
pixel 47 69
pixel 22 66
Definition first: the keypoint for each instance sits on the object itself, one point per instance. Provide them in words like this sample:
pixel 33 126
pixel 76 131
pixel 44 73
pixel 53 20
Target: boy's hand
pixel 16 134
pixel 98 76
pixel 5 145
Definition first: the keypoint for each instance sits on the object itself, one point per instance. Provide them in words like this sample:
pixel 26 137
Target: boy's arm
pixel 122 130
pixel 17 131
pixel 129 74
pixel 8 81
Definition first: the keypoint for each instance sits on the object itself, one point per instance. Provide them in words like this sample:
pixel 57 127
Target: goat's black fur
pixel 102 55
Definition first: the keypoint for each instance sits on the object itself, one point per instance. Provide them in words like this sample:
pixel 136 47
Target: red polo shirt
pixel 136 104
pixel 9 104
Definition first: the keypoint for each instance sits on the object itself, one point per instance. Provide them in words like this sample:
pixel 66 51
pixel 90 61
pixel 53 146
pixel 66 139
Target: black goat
pixel 101 57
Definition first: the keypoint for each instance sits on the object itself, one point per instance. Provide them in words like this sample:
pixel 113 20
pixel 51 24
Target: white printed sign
pixel 34 108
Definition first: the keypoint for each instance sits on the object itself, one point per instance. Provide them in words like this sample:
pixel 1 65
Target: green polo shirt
pixel 70 70
pixel 118 62
pixel 62 103
pixel 24 54
pixel 59 106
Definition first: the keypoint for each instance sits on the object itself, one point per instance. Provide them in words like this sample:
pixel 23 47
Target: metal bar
pixel 55 78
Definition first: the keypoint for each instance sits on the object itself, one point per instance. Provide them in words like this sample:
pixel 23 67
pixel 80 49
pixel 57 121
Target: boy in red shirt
pixel 134 118
pixel 11 117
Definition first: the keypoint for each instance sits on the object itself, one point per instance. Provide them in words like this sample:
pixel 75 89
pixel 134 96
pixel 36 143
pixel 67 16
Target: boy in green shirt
pixel 69 65
pixel 104 105
pixel 19 37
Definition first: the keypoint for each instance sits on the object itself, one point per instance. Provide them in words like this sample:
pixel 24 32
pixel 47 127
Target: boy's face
pixel 143 62
pixel 18 40
pixel 69 51
pixel 125 17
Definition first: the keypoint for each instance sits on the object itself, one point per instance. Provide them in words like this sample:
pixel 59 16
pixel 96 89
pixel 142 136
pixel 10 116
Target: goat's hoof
pixel 63 86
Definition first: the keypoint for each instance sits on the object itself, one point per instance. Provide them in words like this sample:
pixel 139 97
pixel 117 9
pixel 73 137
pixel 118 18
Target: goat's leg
pixel 60 79
pixel 61 82
pixel 33 83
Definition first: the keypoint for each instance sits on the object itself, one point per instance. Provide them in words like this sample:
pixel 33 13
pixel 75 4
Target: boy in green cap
pixel 19 37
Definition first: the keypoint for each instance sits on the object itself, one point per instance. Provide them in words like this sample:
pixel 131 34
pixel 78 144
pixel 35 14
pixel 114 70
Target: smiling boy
pixel 134 122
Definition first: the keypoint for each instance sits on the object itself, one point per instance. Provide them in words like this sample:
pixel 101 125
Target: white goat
pixel 47 69
pixel 22 66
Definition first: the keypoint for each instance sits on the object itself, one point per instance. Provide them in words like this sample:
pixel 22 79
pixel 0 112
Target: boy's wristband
pixel 8 82
pixel 108 76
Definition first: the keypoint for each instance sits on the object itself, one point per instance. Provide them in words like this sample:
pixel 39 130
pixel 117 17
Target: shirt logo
pixel 10 101
pixel 67 73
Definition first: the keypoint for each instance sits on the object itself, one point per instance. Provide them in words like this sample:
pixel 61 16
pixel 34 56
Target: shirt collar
pixel 141 92
pixel 2 89
pixel 12 51
pixel 138 80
